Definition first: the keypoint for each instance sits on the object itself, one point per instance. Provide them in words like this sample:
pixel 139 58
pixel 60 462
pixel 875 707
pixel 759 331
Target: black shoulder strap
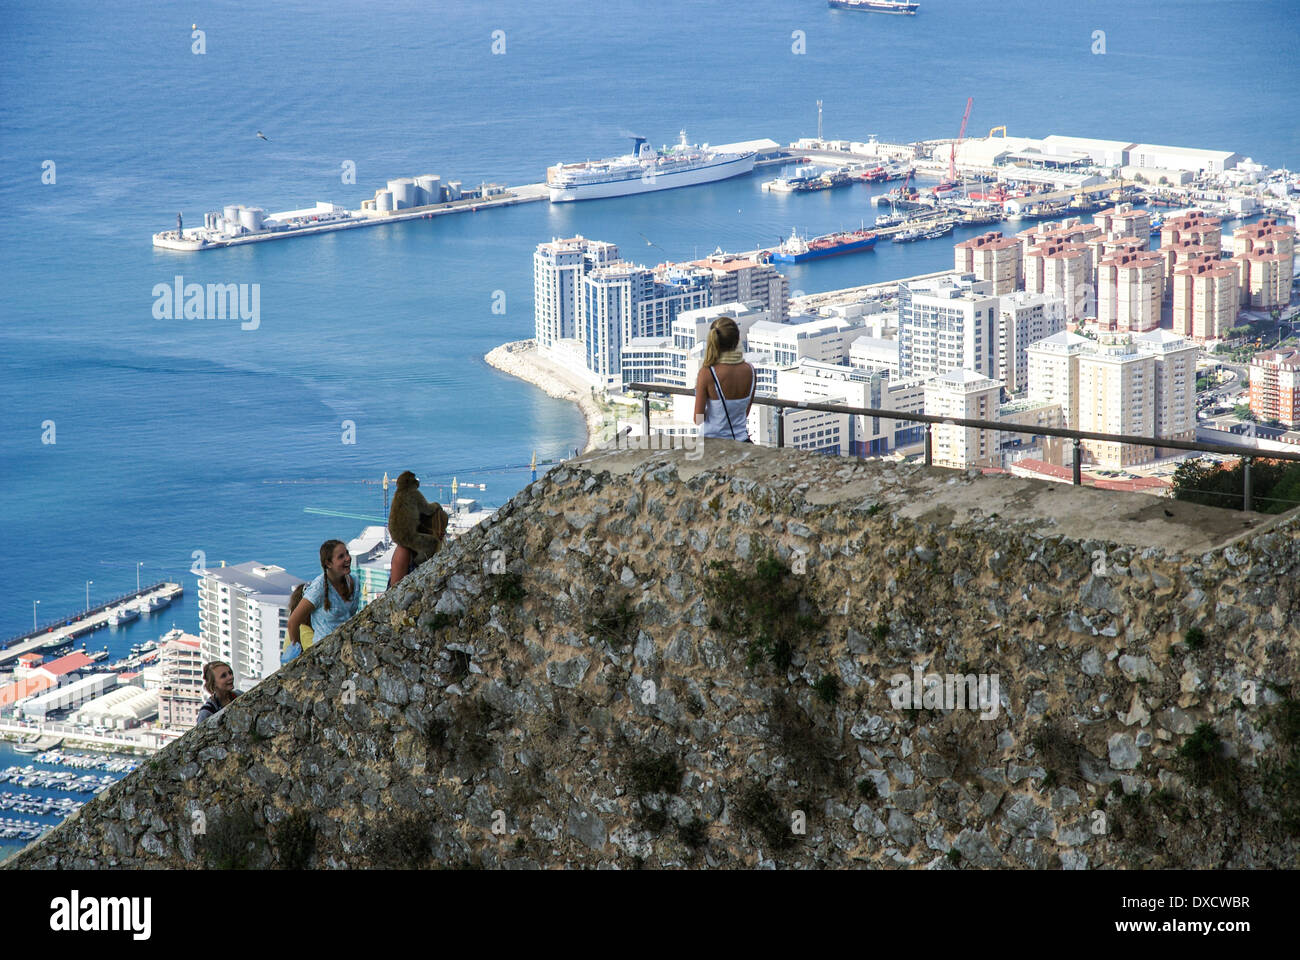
pixel 723 400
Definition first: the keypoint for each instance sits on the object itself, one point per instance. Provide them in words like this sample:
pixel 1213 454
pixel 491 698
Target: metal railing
pixel 1246 454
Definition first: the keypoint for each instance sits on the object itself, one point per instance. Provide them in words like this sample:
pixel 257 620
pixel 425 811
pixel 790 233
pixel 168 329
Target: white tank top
pixel 725 419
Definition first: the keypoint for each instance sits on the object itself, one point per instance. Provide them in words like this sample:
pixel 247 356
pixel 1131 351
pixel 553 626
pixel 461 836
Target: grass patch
pixel 404 842
pixel 1194 638
pixel 510 588
pixel 828 689
pixel 880 632
pixel 694 834
pixel 234 842
pixel 767 606
pixel 954 856
pixel 758 810
pixel 615 623
pixel 1280 775
pixel 812 754
pixel 867 789
pixel 1058 754
pixel 1205 764
pixel 294 840
pixel 650 773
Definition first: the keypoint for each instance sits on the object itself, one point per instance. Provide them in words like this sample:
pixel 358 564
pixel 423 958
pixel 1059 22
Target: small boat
pixel 908 236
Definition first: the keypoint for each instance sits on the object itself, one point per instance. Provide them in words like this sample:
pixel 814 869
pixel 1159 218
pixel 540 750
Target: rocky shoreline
pixel 520 358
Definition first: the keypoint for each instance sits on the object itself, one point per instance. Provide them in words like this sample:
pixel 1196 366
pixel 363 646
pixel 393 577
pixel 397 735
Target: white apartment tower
pixel 558 269
pixel 946 323
pixel 243 612
pixel 1024 318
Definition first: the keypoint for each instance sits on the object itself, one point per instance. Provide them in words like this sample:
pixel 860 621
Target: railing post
pixel 780 427
pixel 645 418
pixel 1246 503
pixel 1078 462
pixel 929 445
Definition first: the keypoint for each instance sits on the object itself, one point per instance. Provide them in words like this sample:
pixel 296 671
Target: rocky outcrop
pixel 646 659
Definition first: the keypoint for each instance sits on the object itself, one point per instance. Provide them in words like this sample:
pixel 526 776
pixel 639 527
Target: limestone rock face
pixel 901 667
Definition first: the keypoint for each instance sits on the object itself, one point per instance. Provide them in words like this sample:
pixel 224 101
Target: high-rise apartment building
pixel 558 269
pixel 1063 270
pixel 1024 318
pixel 1197 226
pixel 1275 386
pixel 1129 291
pixel 734 278
pixel 1206 298
pixel 946 323
pixel 181 693
pixel 965 395
pixel 243 612
pixel 1123 220
pixel 1053 373
pixel 991 257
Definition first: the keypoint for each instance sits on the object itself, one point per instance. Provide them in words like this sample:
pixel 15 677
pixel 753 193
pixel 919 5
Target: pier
pixel 51 637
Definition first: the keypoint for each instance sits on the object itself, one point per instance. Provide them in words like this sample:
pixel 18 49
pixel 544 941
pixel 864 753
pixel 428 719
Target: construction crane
pixel 952 154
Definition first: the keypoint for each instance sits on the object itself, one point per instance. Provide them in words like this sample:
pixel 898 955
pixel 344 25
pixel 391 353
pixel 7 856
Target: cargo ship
pixel 876 6
pixel 645 170
pixel 797 250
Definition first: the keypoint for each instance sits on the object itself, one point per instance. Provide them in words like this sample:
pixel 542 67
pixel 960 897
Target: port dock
pixel 63 632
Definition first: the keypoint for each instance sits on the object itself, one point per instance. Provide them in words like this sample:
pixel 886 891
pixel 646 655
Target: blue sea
pixel 175 436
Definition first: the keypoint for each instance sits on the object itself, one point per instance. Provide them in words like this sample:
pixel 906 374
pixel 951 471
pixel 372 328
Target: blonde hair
pixel 210 675
pixel 724 335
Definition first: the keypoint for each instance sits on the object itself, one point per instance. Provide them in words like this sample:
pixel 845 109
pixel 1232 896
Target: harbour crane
pixel 952 154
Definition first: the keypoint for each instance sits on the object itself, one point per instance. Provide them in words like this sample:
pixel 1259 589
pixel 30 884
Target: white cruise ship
pixel 644 170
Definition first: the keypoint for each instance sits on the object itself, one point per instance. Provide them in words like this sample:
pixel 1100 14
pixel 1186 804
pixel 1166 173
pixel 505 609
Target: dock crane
pixel 952 153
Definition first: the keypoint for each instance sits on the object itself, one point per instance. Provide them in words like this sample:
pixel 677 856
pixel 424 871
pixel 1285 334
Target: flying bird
pixel 651 243
pixel 264 136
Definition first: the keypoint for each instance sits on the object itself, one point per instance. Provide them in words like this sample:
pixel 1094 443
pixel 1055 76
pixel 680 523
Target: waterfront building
pixel 66 697
pixel 1069 230
pixel 1024 318
pixel 22 688
pixel 243 612
pixel 992 257
pixel 963 394
pixel 120 709
pixel 734 278
pixel 1129 291
pixel 623 301
pixel 946 323
pixel 65 669
pixel 1206 298
pixel 692 326
pixel 1275 386
pixel 1063 270
pixel 181 694
pixel 1197 226
pixel 1266 236
pixel 1117 395
pixel 663 359
pixel 558 269
pixel 1124 220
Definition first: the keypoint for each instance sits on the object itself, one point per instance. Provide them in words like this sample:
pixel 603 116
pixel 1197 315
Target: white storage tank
pixel 453 189
pixel 383 201
pixel 231 212
pixel 403 192
pixel 431 186
pixel 250 218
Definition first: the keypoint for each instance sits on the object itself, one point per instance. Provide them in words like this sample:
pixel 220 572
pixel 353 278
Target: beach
pixel 520 358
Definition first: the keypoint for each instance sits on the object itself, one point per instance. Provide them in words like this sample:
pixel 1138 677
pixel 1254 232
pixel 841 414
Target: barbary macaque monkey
pixel 414 522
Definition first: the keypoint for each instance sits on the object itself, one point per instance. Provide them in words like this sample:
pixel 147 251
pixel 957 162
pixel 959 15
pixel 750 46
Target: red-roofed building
pixel 65 668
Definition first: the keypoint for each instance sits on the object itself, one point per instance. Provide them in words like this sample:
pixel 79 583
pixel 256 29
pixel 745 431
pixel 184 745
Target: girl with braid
pixel 331 599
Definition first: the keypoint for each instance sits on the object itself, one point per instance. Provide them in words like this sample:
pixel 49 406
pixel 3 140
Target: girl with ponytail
pixel 328 601
pixel 724 390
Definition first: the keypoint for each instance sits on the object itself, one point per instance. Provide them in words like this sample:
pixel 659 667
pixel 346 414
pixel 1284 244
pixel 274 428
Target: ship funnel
pixel 640 146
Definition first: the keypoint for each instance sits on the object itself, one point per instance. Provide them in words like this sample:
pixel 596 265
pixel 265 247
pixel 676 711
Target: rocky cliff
pixel 762 658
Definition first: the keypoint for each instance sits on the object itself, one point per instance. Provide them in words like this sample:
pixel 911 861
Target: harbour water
pixel 174 437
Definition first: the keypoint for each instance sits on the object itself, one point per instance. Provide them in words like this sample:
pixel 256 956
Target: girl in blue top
pixel 330 599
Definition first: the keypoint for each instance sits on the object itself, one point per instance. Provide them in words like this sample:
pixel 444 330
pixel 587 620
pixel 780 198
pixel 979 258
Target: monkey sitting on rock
pixel 414 522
